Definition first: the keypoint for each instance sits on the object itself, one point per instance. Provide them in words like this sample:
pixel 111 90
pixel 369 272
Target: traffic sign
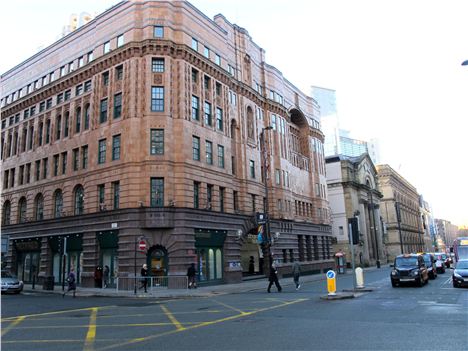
pixel 331 283
pixel 142 245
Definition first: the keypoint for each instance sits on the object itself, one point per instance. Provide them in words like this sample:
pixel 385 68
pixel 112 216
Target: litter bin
pixel 48 283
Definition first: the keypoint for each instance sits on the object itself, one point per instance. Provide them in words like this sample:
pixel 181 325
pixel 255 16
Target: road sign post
pixel 331 283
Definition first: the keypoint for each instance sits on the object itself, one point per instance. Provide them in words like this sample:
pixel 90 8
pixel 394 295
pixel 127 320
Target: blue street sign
pixel 330 274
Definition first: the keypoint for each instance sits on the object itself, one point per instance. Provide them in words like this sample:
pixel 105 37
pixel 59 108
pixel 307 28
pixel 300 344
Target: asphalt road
pixel 434 317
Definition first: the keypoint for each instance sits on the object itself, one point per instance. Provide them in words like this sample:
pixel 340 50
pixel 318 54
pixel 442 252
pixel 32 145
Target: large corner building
pixel 148 122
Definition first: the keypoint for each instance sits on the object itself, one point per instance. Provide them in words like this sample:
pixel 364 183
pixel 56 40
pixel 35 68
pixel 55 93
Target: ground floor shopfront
pixel 102 246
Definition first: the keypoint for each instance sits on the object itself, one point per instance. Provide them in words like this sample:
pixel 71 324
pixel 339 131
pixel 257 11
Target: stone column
pixel 90 259
pixel 45 260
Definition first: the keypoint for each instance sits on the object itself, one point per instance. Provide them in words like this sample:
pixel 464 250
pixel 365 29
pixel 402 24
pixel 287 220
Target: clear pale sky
pixel 395 64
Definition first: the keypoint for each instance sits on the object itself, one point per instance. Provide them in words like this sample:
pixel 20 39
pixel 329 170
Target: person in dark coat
pixel 106 275
pixel 296 271
pixel 252 265
pixel 274 278
pixel 71 280
pixel 144 275
pixel 191 274
pixel 98 277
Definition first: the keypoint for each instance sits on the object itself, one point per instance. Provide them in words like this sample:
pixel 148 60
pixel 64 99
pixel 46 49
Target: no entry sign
pixel 142 245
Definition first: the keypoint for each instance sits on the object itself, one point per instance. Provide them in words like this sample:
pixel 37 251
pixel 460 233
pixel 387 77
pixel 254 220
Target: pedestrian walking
pixel 106 274
pixel 71 280
pixel 144 275
pixel 98 277
pixel 274 279
pixel 296 271
pixel 191 274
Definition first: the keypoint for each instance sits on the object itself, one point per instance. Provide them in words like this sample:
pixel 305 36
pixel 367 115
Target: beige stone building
pixel 400 210
pixel 353 191
pixel 146 122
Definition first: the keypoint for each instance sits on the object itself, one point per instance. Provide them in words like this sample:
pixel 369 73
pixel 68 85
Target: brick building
pixel 146 122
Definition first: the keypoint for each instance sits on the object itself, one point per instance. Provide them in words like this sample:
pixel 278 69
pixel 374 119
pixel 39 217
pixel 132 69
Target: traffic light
pixel 354 235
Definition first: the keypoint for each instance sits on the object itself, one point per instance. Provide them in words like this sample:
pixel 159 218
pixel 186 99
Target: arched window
pixel 79 200
pixel 78 120
pixel 58 203
pixel 86 117
pixel 39 207
pixel 22 210
pixel 6 213
pixel 250 123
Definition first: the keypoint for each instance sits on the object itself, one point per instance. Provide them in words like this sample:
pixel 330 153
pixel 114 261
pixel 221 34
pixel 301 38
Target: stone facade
pixel 145 122
pixel 353 192
pixel 405 232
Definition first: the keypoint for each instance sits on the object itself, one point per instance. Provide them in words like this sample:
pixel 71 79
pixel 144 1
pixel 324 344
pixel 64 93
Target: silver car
pixel 10 283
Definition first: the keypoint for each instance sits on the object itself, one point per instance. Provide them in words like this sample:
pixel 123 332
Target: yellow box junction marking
pixel 172 318
pixel 91 335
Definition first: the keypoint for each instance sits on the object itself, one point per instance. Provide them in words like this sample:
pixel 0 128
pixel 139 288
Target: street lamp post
pixel 377 262
pixel 265 183
pixel 398 215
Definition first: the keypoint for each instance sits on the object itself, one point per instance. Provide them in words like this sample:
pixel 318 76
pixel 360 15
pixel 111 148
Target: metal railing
pixel 153 283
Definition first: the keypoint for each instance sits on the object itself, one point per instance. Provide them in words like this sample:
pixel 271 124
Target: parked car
pixel 429 260
pixel 440 262
pixel 460 274
pixel 10 283
pixel 409 268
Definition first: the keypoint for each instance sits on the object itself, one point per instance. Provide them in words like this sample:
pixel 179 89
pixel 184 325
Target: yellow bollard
pixel 331 283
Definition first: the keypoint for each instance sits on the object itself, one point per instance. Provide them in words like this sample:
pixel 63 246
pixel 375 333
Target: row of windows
pixel 208 152
pixel 63 71
pixel 58 207
pixel 207 114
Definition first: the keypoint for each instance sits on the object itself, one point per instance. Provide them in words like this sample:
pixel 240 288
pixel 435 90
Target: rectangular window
pixel 157 192
pixel 157 142
pixel 67 95
pixel 206 52
pixel 196 195
pixel 31 138
pixel 76 159
pixel 84 157
pixel 221 199
pixel 38 170
pixel 105 78
pixel 86 117
pixel 119 72
pixel 194 75
pixel 116 194
pixel 117 105
pixel 157 65
pixel 120 40
pixel 196 148
pixel 102 151
pixel 195 108
pixel 273 122
pixel 33 111
pixel 218 89
pixel 221 156
pixel 58 127
pixel 12 177
pixel 42 106
pixel 103 111
pixel 90 56
pixel 62 72
pixel 49 103
pixel 102 197
pixel 87 86
pixel 209 152
pixel 80 61
pixel 79 90
pixel 64 162
pixel 218 59
pixel 235 196
pixel 56 164
pixel 67 122
pixel 116 147
pixel 253 200
pixel 59 98
pixel 106 47
pixel 208 114
pixel 5 179
pixel 206 82
pixel 71 67
pixel 277 176
pixel 252 169
pixel 157 99
pixel 47 138
pixel 78 120
pixel 26 114
pixel 41 131
pixel 194 44
pixel 28 173
pixel 219 119
pixel 51 77
pixel 21 175
pixel 158 31
pixel 209 197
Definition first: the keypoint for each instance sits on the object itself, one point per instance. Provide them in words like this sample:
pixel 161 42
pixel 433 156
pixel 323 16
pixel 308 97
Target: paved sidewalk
pixel 202 291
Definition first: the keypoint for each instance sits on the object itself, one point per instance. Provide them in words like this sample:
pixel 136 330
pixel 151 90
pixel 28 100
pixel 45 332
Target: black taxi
pixel 409 268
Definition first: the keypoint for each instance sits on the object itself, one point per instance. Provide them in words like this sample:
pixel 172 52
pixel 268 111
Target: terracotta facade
pixel 147 122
